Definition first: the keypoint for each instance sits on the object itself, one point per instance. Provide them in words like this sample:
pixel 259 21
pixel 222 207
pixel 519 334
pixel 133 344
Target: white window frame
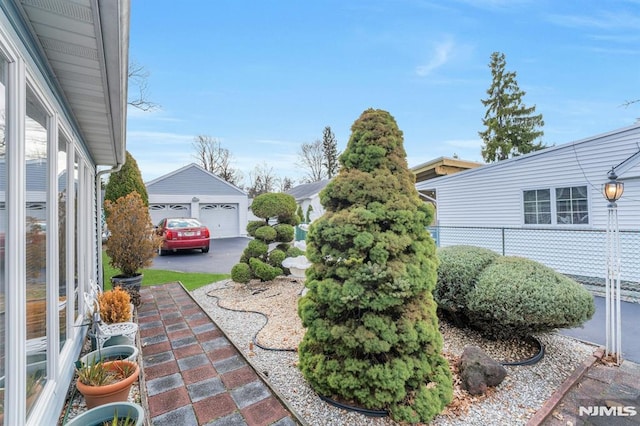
pixel 554 211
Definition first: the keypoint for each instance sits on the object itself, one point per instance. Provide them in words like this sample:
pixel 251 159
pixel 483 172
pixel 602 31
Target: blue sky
pixel 263 77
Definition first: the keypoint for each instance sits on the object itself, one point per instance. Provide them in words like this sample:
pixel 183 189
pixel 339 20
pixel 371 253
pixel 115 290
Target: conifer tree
pixel 330 152
pixel 125 181
pixel 372 331
pixel 511 127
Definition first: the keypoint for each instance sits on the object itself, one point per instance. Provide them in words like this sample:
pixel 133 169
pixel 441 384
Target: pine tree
pixel 511 127
pixel 330 152
pixel 372 331
pixel 125 181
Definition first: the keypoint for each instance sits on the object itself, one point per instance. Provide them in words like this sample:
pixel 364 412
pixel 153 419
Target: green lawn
pixel 190 280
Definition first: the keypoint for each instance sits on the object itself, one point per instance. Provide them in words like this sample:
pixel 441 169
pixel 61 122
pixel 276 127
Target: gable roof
pixel 604 138
pixel 307 190
pixel 194 177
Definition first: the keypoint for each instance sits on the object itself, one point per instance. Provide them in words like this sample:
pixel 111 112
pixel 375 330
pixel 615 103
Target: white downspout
pixel 99 175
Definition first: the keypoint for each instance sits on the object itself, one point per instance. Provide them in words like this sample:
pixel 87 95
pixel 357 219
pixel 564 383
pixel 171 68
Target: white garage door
pixel 160 211
pixel 221 219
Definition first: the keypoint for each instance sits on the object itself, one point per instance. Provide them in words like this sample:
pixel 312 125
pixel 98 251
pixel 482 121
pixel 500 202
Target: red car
pixel 182 233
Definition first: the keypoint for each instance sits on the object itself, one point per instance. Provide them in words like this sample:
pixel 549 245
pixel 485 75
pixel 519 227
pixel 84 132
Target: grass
pixel 190 280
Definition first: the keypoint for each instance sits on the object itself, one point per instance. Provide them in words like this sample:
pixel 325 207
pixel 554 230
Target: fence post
pixel 503 250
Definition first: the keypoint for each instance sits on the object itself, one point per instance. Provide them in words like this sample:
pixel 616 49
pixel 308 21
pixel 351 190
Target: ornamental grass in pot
pixel 104 382
pixel 133 241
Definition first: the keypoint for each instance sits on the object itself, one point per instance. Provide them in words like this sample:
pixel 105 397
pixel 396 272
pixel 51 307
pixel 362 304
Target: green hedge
pixel 516 297
pixel 458 273
pixel 241 273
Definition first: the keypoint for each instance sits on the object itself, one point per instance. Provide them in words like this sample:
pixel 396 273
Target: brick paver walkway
pixel 193 375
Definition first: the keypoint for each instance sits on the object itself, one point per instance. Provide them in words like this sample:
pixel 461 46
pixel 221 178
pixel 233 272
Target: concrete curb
pixel 545 411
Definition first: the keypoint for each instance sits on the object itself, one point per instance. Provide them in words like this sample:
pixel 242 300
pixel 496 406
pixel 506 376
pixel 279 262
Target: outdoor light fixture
pixel 613 189
pixel 196 199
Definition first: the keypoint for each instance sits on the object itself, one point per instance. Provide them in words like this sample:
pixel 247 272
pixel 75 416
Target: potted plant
pixel 111 353
pixel 115 413
pixel 115 305
pixel 133 242
pixel 103 382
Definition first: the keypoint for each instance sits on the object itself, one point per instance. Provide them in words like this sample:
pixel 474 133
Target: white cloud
pixel 441 55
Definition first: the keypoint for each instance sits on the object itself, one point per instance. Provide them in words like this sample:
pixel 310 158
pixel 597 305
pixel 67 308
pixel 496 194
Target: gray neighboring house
pixel 192 191
pixel 308 194
pixel 547 205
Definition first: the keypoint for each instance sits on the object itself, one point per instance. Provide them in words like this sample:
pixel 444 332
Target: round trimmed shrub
pixel 280 205
pixel 266 233
pixel 262 270
pixel 254 225
pixel 516 297
pixel 294 252
pixel 276 257
pixel 284 231
pixel 256 248
pixel 241 273
pixel 458 273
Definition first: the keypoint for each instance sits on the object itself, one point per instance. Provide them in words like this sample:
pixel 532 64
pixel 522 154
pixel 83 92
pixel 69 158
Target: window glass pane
pixel 537 207
pixel 3 209
pixel 572 206
pixel 76 214
pixel 62 236
pixel 36 140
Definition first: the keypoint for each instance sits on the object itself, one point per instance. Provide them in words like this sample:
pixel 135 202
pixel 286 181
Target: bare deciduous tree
pixel 262 180
pixel 216 159
pixel 311 159
pixel 139 80
pixel 286 184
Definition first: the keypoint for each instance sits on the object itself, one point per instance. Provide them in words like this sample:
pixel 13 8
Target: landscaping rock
pixel 479 371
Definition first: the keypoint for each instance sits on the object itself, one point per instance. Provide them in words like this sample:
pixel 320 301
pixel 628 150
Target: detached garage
pixel 195 192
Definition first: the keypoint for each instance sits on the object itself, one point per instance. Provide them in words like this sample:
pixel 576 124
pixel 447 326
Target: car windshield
pixel 183 223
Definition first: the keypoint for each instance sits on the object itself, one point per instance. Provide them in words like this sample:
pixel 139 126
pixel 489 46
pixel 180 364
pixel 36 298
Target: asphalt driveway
pixel 224 253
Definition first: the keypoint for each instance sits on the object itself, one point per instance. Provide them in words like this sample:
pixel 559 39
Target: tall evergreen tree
pixel 372 331
pixel 125 181
pixel 511 127
pixel 330 152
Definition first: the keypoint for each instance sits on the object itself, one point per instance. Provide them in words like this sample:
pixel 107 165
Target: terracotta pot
pixel 119 391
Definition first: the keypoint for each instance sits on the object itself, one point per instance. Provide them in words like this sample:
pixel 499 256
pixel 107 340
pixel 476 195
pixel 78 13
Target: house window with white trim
pixel 537 207
pixel 572 206
pixel 559 206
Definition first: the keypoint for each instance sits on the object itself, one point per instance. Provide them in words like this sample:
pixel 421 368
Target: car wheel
pixel 205 250
pixel 161 252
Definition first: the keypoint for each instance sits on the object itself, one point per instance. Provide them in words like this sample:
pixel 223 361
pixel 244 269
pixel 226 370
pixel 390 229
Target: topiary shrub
pixel 458 274
pixel 263 270
pixel 372 331
pixel 241 273
pixel 516 297
pixel 268 206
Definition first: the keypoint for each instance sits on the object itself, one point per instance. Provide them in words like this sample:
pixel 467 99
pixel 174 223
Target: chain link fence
pixel 580 254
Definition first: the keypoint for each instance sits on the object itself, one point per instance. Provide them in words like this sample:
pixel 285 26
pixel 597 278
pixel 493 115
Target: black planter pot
pixel 132 283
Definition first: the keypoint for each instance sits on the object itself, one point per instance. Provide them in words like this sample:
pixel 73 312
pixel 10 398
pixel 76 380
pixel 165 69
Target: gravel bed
pixel 522 393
